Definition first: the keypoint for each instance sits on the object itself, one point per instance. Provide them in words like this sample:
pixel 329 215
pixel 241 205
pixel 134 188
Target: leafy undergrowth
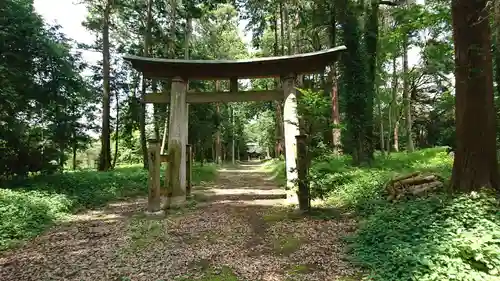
pixel 29 207
pixel 276 167
pixel 440 237
pixel 436 238
pixel 335 180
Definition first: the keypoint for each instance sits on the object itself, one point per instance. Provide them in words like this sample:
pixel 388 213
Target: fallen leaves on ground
pixel 255 239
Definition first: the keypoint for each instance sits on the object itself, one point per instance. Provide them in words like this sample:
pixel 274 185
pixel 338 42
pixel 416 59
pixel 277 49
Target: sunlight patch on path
pixel 245 230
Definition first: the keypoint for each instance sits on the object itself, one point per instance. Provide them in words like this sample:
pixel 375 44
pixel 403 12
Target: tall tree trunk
pixel 142 119
pixel 371 38
pixel 187 40
pixel 105 156
pixel 117 129
pixel 407 98
pixel 156 111
pixel 389 127
pixel 288 27
pixel 381 124
pixel 394 104
pixel 170 50
pixel 233 141
pixel 279 142
pixel 74 148
pixel 142 126
pixel 336 131
pixel 497 45
pixel 189 23
pixel 218 147
pixel 396 135
pixel 496 28
pixel 282 28
pixel 475 164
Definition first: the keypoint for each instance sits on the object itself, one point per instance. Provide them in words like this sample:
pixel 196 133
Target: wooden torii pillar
pixel 291 129
pixel 177 141
pixel 180 71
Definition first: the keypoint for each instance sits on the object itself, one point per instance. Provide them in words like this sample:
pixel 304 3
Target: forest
pixel 401 132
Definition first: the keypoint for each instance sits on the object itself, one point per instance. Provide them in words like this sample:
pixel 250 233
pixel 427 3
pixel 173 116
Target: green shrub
pixel 24 214
pixel 29 207
pixel 334 179
pixel 437 238
pixel 340 183
pixel 278 170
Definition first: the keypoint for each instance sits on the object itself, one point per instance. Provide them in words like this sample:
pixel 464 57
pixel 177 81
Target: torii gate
pixel 181 71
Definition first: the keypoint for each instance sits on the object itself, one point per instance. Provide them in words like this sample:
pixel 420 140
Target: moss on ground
pixel 286 245
pixel 143 232
pixel 214 274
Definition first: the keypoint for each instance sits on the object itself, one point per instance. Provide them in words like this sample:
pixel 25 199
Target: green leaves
pixel 34 204
pixel 43 96
pixel 438 238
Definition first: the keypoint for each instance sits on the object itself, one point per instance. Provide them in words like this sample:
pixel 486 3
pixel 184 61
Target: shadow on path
pixel 242 225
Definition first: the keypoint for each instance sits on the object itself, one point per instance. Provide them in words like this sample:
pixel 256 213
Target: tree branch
pixel 388 3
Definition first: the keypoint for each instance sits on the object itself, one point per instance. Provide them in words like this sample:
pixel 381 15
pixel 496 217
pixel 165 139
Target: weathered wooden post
pixel 189 165
pixel 302 173
pixel 291 129
pixel 154 199
pixel 176 189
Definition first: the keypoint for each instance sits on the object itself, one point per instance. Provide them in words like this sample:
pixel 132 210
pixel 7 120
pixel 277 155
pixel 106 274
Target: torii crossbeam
pixel 181 71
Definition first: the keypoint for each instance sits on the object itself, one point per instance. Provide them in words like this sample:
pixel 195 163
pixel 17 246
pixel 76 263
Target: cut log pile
pixel 412 185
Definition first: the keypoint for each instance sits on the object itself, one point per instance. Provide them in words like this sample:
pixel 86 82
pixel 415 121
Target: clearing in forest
pixel 236 229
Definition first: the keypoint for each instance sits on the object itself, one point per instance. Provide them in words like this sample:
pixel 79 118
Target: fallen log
pixel 400 178
pixel 422 188
pixel 418 180
pixel 414 184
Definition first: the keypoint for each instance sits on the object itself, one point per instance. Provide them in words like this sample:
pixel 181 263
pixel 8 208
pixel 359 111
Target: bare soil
pixel 240 224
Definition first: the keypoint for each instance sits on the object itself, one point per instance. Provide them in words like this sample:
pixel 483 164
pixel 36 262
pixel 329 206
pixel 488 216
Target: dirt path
pixel 238 232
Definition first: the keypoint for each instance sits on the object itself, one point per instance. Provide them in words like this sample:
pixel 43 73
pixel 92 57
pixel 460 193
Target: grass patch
pixel 215 274
pixel 143 232
pixel 277 169
pixel 437 238
pixel 28 207
pixel 286 245
pixel 350 278
pixel 301 269
pixel 277 214
pixel 325 213
pixel 199 197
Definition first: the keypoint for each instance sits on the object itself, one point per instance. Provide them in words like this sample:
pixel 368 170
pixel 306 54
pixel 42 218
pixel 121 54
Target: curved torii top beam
pixel 225 69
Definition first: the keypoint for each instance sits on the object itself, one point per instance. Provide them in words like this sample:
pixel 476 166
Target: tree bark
pixel 475 164
pixel 280 146
pixel 381 123
pixel 105 156
pixel 496 48
pixel 288 28
pixel 156 112
pixel 497 45
pixel 407 98
pixel 371 38
pixel 282 28
pixel 117 129
pixel 394 105
pixel 170 50
pixel 142 117
pixel 336 132
pixel 218 147
pixel 74 148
